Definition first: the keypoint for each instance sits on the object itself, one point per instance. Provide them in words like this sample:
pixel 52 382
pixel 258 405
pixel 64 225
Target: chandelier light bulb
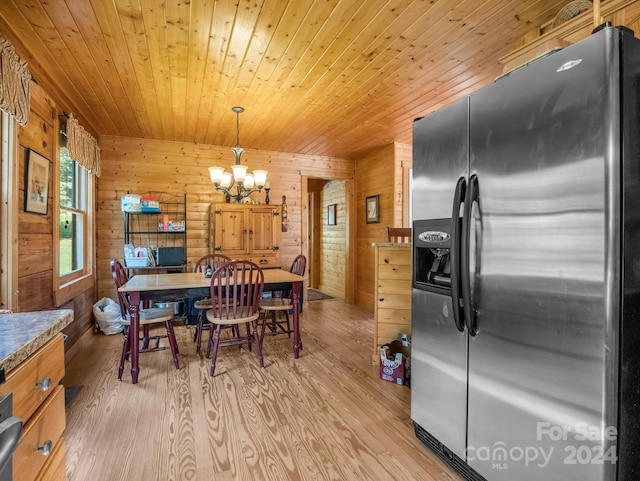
pixel 248 181
pixel 227 179
pixel 216 174
pixel 260 178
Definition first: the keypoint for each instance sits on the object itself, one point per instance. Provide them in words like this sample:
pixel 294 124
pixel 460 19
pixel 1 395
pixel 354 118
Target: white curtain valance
pixel 14 83
pixel 83 147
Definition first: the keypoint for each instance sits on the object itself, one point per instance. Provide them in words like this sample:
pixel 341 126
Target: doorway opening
pixel 329 231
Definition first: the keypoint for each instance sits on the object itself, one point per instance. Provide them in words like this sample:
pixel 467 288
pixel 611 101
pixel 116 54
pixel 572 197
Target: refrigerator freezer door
pixel 540 140
pixel 439 350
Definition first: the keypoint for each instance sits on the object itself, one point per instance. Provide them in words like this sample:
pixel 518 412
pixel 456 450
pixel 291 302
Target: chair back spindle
pixel 399 234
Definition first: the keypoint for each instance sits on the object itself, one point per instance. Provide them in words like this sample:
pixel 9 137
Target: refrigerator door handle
pixel 458 199
pixel 471 196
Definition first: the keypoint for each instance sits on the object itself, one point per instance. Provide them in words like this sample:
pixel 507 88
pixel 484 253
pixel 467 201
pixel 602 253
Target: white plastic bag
pixel 108 316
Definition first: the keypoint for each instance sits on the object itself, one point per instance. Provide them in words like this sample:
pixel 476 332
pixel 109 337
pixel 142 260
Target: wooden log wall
pixel 35 259
pixel 378 173
pixel 141 165
pixel 35 231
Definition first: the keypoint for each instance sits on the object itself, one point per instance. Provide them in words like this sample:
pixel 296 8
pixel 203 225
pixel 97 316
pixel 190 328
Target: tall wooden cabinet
pixel 246 231
pixel 392 308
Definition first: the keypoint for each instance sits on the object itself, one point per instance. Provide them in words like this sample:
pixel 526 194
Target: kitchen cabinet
pixel 392 307
pixel 545 38
pixel 246 231
pixel 38 399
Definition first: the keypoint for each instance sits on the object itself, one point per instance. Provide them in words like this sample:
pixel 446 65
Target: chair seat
pixel 202 304
pixel 153 315
pixel 228 322
pixel 275 304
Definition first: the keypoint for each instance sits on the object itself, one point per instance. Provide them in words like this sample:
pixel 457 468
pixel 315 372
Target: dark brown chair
pixel 236 289
pixel 148 318
pixel 280 302
pixel 209 262
pixel 399 234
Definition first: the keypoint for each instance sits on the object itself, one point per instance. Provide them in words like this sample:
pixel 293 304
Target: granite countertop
pixel 23 333
pixel 391 244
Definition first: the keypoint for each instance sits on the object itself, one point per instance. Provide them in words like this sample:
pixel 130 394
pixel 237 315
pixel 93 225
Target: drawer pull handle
pixel 45 449
pixel 45 384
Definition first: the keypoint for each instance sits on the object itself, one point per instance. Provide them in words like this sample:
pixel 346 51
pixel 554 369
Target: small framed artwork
pixel 331 214
pixel 36 185
pixel 373 209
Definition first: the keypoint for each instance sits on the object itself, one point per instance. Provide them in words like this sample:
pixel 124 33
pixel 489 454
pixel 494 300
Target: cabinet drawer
pixel 46 426
pixel 55 467
pixel 26 381
pixel 265 261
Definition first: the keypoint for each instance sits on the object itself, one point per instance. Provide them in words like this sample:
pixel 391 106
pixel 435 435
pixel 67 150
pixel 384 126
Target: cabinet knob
pixel 45 449
pixel 45 384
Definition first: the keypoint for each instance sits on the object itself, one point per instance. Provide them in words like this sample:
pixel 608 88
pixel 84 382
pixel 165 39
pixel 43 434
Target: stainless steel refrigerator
pixel 526 283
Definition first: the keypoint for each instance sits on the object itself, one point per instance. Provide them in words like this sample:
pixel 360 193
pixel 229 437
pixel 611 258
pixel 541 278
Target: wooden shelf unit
pixel 144 228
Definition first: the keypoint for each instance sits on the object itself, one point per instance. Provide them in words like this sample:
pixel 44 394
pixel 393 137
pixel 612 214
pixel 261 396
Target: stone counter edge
pixel 23 333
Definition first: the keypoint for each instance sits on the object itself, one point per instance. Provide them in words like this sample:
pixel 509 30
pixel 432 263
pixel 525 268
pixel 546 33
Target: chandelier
pixel 245 184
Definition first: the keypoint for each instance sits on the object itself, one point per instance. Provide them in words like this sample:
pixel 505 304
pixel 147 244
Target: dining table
pixel 146 287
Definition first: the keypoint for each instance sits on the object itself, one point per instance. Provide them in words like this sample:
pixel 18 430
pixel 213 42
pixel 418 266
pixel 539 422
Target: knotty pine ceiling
pixel 323 77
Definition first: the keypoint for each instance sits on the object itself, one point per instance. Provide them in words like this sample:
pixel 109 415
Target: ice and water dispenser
pixel 432 255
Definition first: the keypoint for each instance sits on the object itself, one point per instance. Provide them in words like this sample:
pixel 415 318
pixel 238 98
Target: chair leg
pixel 195 333
pixel 214 354
pixel 286 313
pixel 125 350
pixel 145 338
pixel 173 344
pixel 198 334
pixel 256 339
pixel 264 325
pixel 208 353
pixel 249 335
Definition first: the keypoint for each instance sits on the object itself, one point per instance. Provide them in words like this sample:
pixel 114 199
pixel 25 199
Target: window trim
pixel 70 285
pixel 8 219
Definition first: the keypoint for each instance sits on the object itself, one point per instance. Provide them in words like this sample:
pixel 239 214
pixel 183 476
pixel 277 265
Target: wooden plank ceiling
pixel 324 77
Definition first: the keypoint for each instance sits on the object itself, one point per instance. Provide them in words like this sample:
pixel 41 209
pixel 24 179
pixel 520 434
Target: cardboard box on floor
pixel 395 361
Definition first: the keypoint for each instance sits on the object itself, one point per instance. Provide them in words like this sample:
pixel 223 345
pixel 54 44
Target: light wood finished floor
pixel 324 416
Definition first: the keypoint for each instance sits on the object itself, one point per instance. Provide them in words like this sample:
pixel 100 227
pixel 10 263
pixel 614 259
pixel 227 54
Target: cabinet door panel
pixel 261 232
pixel 230 231
pixel 246 232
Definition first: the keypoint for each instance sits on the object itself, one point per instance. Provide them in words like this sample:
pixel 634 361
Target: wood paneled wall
pixel 35 259
pixel 141 165
pixel 381 172
pixel 35 231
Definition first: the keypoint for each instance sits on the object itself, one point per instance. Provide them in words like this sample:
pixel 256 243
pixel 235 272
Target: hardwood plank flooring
pixel 324 416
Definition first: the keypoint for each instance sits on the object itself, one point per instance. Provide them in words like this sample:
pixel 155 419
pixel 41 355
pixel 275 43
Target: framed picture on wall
pixel 373 209
pixel 36 184
pixel 331 214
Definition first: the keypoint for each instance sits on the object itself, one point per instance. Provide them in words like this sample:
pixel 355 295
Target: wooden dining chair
pixel 148 318
pixel 236 289
pixel 280 303
pixel 399 234
pixel 208 263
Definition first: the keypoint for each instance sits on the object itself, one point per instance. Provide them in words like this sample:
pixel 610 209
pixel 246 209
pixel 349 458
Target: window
pixel 73 218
